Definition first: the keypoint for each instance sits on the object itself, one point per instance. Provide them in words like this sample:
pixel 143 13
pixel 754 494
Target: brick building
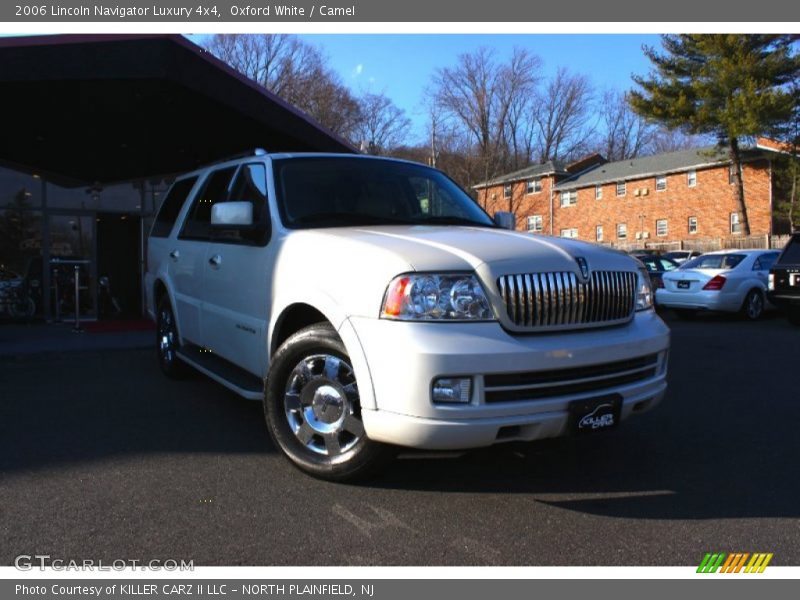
pixel 677 196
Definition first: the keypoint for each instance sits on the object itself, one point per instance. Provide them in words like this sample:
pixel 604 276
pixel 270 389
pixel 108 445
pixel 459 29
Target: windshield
pixel 342 191
pixel 714 261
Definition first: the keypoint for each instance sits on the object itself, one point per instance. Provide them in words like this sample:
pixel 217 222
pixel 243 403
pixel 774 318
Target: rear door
pixel 238 279
pixel 187 255
pixel 787 269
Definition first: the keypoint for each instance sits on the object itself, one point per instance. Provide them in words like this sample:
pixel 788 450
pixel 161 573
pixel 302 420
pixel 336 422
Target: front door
pixel 187 255
pixel 237 282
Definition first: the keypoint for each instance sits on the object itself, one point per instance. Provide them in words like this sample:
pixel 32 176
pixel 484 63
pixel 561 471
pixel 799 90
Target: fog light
pixel 452 389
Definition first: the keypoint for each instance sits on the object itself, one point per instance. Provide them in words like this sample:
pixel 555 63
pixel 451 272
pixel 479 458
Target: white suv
pixel 371 303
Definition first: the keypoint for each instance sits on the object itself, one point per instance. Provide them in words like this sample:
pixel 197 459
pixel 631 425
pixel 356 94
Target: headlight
pixel 427 297
pixel 644 292
pixel 771 282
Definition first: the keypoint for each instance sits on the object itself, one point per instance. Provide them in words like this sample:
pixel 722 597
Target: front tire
pixel 313 411
pixel 753 305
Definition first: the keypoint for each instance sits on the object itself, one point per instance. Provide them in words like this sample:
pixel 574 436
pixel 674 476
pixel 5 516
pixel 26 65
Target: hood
pixel 458 248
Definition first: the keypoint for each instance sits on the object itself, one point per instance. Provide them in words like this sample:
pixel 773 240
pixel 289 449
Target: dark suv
pixel 784 280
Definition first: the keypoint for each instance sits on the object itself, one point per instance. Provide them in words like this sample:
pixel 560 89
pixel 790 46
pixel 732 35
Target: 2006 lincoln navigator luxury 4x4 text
pixel 372 304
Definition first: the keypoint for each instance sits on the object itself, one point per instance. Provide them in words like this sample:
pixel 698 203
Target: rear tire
pixel 793 314
pixel 313 411
pixel 753 305
pixel 167 342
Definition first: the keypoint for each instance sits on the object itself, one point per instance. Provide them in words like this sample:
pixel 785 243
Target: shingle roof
pixel 550 167
pixel 638 168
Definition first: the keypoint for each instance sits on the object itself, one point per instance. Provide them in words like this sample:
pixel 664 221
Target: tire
pixel 312 408
pixel 167 342
pixel 753 305
pixel 793 314
pixel 22 308
pixel 686 314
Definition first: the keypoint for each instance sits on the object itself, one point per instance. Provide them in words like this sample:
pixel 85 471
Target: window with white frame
pixel 535 223
pixel 507 191
pixel 661 183
pixel 598 192
pixel 692 225
pixel 736 224
pixel 621 188
pixel 691 178
pixel 571 232
pixel 598 233
pixel 622 231
pixel 534 186
pixel 661 227
pixel 569 198
pixel 732 174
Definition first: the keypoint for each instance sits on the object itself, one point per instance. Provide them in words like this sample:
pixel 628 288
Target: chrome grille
pixel 559 299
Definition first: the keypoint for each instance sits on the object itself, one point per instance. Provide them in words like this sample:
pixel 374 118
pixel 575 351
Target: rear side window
pixel 215 189
pixel 791 254
pixel 171 207
pixel 765 261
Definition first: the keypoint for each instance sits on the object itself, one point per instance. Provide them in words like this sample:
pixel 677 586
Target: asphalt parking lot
pixel 103 458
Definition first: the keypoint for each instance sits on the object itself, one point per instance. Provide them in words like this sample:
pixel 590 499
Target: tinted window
pixel 171 207
pixel 714 261
pixel 215 189
pixel 331 192
pixel 250 185
pixel 765 261
pixel 791 254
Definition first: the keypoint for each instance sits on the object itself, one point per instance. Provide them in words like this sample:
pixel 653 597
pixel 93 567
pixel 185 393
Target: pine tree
pixel 733 87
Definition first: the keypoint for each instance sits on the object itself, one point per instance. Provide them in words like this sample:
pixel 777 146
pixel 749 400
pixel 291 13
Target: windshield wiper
pixel 452 220
pixel 348 217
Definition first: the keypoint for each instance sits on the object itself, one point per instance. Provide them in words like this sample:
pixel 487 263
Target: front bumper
pixel 404 358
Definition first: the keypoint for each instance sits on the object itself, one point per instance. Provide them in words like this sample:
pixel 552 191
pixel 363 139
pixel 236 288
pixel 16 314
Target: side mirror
pixel 506 220
pixel 232 214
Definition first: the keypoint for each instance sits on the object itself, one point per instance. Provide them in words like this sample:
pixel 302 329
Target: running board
pixel 223 372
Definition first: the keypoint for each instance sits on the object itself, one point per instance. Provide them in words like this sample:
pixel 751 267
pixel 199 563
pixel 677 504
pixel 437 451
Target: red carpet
pixel 117 326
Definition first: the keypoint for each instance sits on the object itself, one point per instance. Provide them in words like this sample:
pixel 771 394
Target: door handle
pixel 174 255
pixel 215 261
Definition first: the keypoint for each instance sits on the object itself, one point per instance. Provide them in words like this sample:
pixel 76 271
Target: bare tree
pixel 672 140
pixel 562 117
pixel 382 125
pixel 625 134
pixel 477 93
pixel 295 71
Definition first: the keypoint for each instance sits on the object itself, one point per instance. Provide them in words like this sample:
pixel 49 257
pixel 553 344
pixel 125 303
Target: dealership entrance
pixel 95 129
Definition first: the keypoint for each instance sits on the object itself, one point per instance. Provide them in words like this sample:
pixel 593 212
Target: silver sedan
pixel 725 281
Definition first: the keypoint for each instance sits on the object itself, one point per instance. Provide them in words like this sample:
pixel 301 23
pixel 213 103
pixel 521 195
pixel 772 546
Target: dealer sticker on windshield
pixel 595 414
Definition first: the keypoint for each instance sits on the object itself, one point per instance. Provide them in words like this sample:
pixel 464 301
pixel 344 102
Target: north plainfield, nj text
pixel 242 10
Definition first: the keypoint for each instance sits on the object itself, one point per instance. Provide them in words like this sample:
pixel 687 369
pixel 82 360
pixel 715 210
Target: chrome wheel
pixel 754 306
pixel 166 336
pixel 321 405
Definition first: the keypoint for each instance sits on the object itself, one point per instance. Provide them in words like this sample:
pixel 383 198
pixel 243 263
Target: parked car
pixel 681 256
pixel 371 303
pixel 784 280
pixel 656 267
pixel 725 281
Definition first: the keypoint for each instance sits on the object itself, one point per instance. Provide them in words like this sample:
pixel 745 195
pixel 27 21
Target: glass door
pixel 72 259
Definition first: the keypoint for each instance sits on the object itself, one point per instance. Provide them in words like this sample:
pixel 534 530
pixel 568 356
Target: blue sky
pixel 401 65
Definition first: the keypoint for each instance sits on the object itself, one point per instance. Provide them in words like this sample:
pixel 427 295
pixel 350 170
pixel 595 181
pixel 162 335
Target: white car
pixel 724 281
pixel 371 303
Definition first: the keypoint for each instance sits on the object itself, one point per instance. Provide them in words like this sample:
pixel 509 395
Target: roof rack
pixel 245 154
